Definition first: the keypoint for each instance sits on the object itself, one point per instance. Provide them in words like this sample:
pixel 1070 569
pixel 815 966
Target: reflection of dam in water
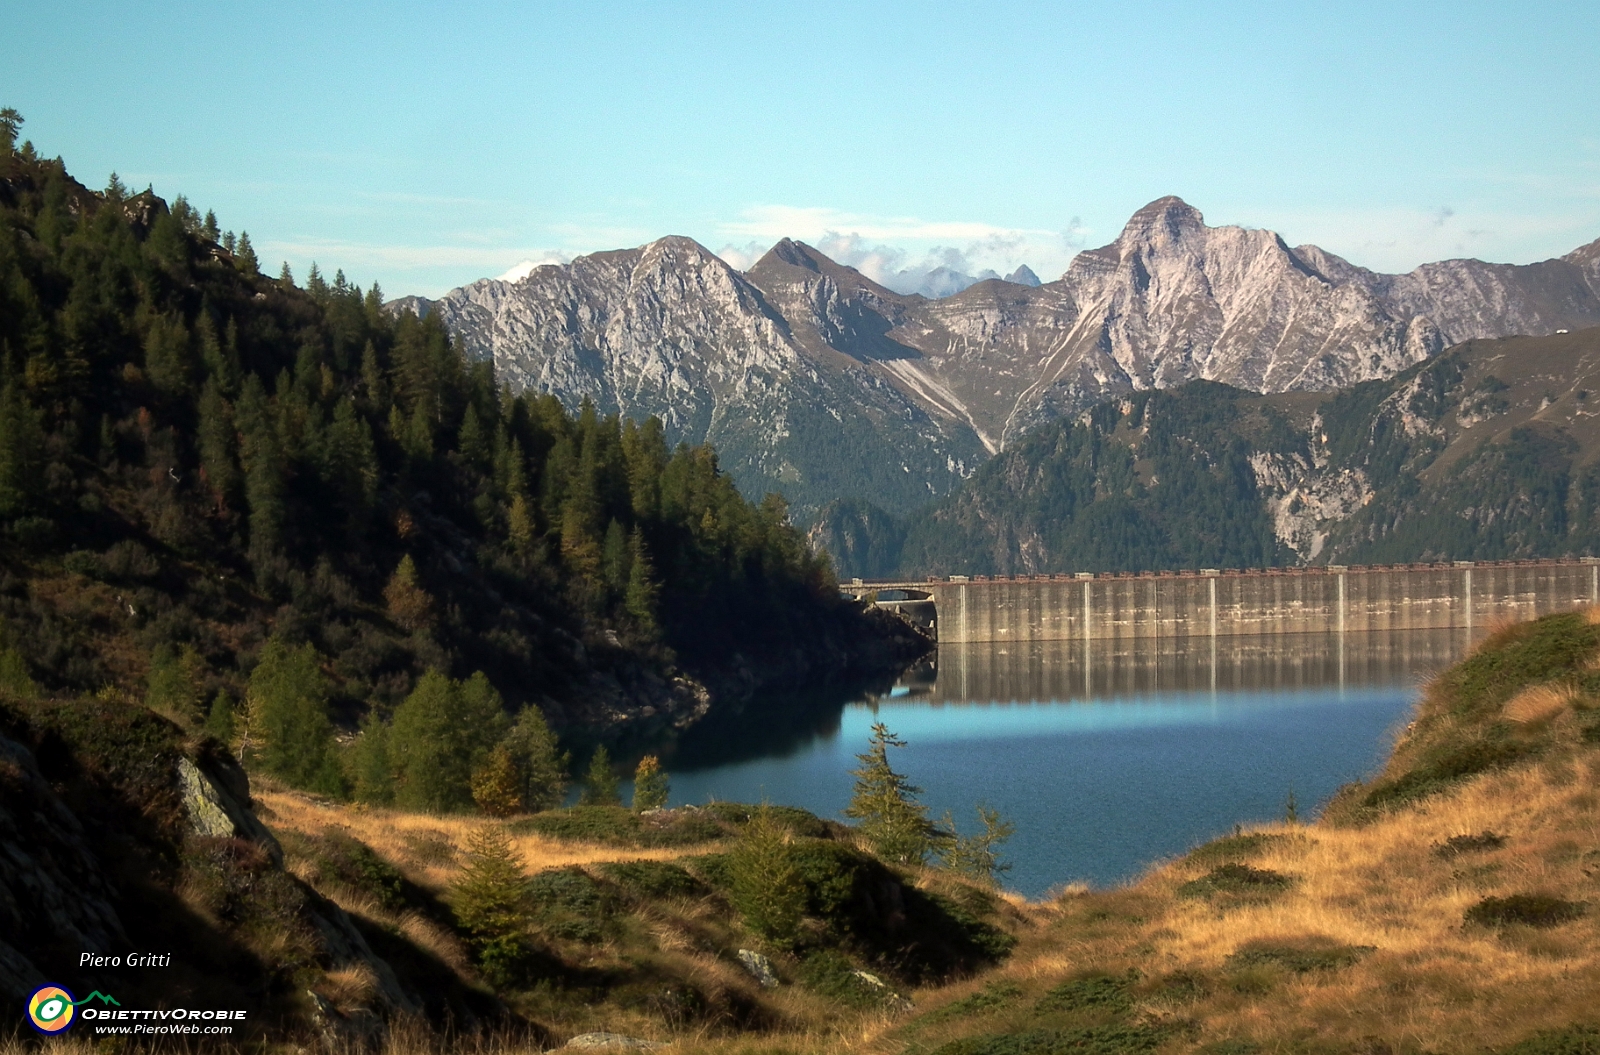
pixel 1154 606
pixel 988 672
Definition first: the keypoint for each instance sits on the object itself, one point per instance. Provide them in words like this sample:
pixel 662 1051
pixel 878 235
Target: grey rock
pixel 760 968
pixel 610 1041
pixel 216 810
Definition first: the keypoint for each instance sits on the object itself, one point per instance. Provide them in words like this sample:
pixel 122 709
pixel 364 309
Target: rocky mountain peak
pixel 795 254
pixel 1024 276
pixel 1165 219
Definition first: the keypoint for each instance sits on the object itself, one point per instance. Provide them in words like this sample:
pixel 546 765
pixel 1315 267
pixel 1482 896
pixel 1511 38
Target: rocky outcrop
pixel 817 382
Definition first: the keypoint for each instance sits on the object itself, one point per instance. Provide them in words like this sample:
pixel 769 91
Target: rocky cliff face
pixel 817 382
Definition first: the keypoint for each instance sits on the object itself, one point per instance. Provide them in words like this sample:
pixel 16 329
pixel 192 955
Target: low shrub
pixel 335 858
pixel 1448 765
pixel 652 880
pixel 991 997
pixel 1096 1040
pixel 1529 910
pixel 829 973
pixel 1097 992
pixel 1233 847
pixel 1237 881
pixel 1457 845
pixel 802 823
pixel 618 826
pixel 1300 957
pixel 1572 1040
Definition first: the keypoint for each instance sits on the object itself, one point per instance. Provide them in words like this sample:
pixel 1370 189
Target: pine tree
pixel 410 606
pixel 286 277
pixel 21 451
pixel 650 785
pixel 372 771
pixel 767 888
pixel 489 899
pixel 497 785
pixel 220 723
pixel 885 803
pixel 175 685
pixel 976 857
pixel 245 255
pixel 539 759
pixel 10 124
pixel 600 783
pixel 614 558
pixel 288 703
pixel 216 438
pixel 212 232
pixel 442 733
pixel 640 598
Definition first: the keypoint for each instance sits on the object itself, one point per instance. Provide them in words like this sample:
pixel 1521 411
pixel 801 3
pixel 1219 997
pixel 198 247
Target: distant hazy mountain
pixel 1488 451
pixel 815 381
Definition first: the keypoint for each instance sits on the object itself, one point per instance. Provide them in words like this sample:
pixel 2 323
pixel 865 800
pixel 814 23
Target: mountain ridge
pixel 818 382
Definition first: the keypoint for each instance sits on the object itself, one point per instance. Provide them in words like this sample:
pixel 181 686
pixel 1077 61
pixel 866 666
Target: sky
pixel 424 146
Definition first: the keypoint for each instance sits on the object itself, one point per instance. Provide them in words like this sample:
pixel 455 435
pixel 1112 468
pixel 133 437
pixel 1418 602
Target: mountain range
pixel 1488 451
pixel 815 381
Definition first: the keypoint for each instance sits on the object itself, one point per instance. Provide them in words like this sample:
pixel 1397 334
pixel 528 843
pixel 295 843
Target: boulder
pixel 760 968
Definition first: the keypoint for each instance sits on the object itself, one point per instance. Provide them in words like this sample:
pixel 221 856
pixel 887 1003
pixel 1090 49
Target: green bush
pixel 652 880
pixel 829 973
pixel 767 889
pixel 1446 766
pixel 1097 992
pixel 991 997
pixel 1233 847
pixel 1573 1040
pixel 1529 910
pixel 617 826
pixel 1237 881
pixel 1298 957
pixel 1096 1040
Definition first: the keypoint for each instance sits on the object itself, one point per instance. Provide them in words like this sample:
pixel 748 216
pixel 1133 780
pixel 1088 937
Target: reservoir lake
pixel 1106 762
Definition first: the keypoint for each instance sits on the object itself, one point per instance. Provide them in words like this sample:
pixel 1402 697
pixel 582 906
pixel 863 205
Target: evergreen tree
pixel 175 685
pixel 212 232
pixel 289 725
pixel 216 438
pixel 976 857
pixel 220 723
pixel 767 888
pixel 245 255
pixel 410 606
pixel 600 783
pixel 640 598
pixel 541 762
pixel 442 733
pixel 285 276
pixel 21 451
pixel 885 803
pixel 10 124
pixel 614 558
pixel 498 784
pixel 372 772
pixel 489 898
pixel 650 785
pixel 264 470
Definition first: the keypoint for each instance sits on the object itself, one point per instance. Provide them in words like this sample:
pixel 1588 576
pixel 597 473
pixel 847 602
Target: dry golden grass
pixel 1539 702
pixel 428 846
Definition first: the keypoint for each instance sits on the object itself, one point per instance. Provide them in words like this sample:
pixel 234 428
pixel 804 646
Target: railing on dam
pixel 1087 606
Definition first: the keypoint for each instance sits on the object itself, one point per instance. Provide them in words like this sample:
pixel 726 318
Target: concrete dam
pixel 1153 606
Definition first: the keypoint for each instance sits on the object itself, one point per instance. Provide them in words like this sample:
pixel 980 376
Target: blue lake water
pixel 1105 763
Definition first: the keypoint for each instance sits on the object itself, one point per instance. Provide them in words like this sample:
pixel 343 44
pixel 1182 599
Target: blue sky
pixel 426 145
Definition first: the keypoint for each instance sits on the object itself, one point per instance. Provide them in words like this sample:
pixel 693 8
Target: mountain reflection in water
pixel 1106 761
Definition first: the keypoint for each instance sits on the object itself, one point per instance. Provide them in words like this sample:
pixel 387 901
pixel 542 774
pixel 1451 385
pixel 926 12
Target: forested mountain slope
pixel 195 457
pixel 1489 451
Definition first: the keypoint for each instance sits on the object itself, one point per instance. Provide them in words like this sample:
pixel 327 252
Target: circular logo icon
pixel 50 1009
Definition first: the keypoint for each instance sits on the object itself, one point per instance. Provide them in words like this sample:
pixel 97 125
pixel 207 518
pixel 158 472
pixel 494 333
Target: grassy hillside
pixel 1449 905
pixel 1489 451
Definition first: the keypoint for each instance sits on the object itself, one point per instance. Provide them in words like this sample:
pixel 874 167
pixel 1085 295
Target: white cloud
pixel 901 252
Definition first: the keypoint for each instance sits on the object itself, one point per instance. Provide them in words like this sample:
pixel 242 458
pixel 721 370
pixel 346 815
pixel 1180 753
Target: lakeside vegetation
pixel 1447 905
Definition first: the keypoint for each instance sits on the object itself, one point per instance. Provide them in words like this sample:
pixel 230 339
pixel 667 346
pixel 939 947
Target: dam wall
pixel 1153 606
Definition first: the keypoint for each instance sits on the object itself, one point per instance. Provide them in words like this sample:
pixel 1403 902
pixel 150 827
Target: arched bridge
pixel 1217 602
